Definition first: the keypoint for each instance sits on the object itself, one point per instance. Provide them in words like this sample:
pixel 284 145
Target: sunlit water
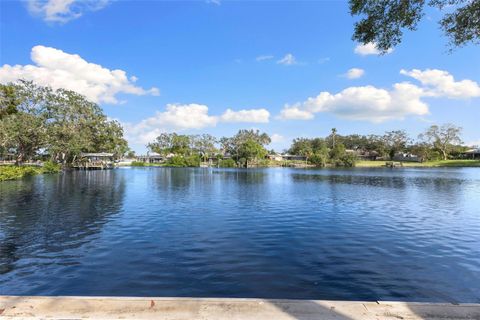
pixel 402 234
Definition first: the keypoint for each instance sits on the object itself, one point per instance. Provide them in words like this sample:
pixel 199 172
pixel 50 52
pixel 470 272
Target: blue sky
pixel 201 66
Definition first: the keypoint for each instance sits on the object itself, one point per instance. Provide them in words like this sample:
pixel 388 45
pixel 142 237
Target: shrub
pixel 138 164
pixel 176 161
pixel 51 167
pixel 319 159
pixel 17 172
pixel 192 161
pixel 227 163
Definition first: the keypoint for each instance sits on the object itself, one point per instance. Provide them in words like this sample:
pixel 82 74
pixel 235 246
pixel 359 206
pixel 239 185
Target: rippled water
pixel 406 234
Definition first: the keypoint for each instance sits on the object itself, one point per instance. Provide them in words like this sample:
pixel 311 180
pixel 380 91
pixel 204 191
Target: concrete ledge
pixel 22 307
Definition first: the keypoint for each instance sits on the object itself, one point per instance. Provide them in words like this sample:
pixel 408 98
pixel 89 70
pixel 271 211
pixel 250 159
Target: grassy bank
pixel 18 172
pixel 427 164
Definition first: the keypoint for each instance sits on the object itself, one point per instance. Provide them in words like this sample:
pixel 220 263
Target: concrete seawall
pixel 22 307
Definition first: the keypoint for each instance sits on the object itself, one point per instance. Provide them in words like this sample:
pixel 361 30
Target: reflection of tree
pixel 50 214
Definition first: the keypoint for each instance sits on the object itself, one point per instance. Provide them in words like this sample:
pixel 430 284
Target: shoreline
pixel 76 307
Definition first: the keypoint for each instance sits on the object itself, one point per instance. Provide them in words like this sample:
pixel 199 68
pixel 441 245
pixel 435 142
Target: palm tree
pixel 334 134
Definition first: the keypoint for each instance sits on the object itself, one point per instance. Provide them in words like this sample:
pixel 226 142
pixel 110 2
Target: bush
pixel 17 172
pixel 318 159
pixel 138 164
pixel 347 160
pixel 227 163
pixel 192 161
pixel 51 167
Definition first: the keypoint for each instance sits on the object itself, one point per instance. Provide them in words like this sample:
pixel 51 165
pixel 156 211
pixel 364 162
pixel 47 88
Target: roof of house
pixel 98 154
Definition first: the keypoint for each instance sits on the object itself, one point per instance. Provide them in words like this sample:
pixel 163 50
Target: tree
pixel 59 123
pixel 396 141
pixel 443 138
pixel 383 21
pixel 205 144
pixel 251 149
pixel 9 100
pixel 334 135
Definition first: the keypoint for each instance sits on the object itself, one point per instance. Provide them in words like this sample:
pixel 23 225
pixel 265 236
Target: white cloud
pixel 263 58
pixel 440 83
pixel 295 112
pixel 354 73
pixel 287 60
pixel 59 69
pixel 377 104
pixel 363 103
pixel 178 117
pixel 252 115
pixel 277 138
pixel 62 11
pixel 369 49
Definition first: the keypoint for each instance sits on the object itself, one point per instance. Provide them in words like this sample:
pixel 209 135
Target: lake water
pixel 360 234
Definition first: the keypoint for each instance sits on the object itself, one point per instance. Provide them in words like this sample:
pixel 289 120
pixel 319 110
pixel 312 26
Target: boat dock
pixel 23 307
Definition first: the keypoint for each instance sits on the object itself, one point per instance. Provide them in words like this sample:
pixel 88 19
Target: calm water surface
pixel 406 234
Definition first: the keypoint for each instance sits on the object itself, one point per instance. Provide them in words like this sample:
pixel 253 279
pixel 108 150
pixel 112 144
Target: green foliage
pixel 192 161
pixel 62 123
pixel 443 138
pixel 227 163
pixel 251 149
pixel 319 159
pixel 17 172
pixel 181 161
pixel 51 167
pixel 383 22
pixel 138 164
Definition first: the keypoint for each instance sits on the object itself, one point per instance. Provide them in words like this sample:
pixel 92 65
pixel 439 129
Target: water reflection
pixel 42 217
pixel 272 233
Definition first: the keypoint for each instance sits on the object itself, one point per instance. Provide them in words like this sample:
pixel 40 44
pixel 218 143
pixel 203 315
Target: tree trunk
pixel 444 155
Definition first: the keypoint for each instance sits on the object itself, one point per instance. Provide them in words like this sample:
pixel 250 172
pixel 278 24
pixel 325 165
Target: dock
pixel 24 307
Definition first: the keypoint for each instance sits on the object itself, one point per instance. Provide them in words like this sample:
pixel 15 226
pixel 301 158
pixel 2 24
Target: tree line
pixel 247 146
pixel 242 148
pixel 435 143
pixel 54 124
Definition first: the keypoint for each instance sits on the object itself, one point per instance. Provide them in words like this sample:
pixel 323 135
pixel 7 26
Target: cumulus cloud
pixel 354 73
pixel 288 60
pixel 62 11
pixel 440 83
pixel 277 138
pixel 295 112
pixel 252 115
pixel 264 57
pixel 59 69
pixel 178 117
pixel 369 49
pixel 363 103
pixel 378 104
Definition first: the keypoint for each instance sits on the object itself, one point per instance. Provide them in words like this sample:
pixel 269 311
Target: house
pixel 94 160
pixel 472 153
pixel 292 157
pixel 407 157
pixel 275 157
pixel 152 157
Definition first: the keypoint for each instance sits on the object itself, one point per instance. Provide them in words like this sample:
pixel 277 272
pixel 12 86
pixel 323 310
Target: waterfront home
pixel 292 157
pixel 8 158
pixel 472 153
pixel 275 157
pixel 94 160
pixel 407 157
pixel 152 157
